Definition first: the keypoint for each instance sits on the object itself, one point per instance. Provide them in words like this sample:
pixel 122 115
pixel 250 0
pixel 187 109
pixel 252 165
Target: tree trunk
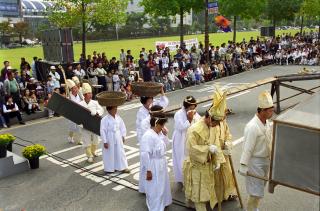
pixel 83 30
pixel 20 38
pixel 301 26
pixel 181 26
pixel 234 28
pixel 319 30
pixel 117 32
pixel 206 31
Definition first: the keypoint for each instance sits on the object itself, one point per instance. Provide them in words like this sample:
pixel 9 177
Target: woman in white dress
pixel 113 133
pixel 155 111
pixel 153 152
pixel 183 119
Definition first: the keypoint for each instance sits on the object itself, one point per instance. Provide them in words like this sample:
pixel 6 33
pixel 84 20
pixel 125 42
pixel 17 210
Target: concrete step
pixel 12 164
pixel 26 117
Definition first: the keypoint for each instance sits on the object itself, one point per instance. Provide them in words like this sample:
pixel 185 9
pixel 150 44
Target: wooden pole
pixel 235 181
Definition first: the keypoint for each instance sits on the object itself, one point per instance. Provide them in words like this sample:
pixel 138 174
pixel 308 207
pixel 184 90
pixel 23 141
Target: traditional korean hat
pixel 265 100
pixel 76 79
pixel 219 104
pixel 86 88
pixel 190 100
pixel 70 83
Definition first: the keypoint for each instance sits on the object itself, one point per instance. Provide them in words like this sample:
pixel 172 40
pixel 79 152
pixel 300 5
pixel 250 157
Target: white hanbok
pixel 181 125
pixel 256 154
pixel 112 131
pixel 73 127
pixel 143 113
pixel 89 137
pixel 143 124
pixel 158 191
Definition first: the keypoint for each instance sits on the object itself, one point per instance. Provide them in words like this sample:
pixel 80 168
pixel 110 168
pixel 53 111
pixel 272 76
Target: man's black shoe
pixel 22 123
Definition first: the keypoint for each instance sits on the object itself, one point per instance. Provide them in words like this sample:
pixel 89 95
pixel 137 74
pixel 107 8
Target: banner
pixel 213 8
pixel 172 45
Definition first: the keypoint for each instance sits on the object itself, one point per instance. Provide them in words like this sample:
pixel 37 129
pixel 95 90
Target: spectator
pixel 55 76
pixel 123 57
pixel 5 70
pixel 109 82
pixel 24 65
pixel 11 110
pixel 69 72
pixel 116 81
pixel 79 72
pixel 50 84
pixel 143 69
pixel 92 74
pixel 12 88
pixel 33 68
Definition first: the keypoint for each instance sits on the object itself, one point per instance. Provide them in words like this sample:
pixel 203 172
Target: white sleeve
pixel 145 153
pixel 250 137
pixel 123 129
pixel 163 101
pixel 179 123
pixel 5 110
pixel 16 107
pixel 103 130
pixel 99 109
pixel 57 76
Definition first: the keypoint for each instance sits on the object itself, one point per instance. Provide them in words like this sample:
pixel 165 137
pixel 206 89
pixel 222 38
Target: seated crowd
pixel 24 91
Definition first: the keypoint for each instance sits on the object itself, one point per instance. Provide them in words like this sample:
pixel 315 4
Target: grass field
pixel 112 48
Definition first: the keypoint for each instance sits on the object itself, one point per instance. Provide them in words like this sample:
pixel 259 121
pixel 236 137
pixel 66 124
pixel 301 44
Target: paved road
pixel 60 186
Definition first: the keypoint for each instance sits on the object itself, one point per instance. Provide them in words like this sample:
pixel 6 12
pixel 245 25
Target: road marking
pixel 134 134
pixel 228 98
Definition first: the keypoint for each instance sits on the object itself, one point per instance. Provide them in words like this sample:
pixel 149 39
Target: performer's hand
pixel 243 170
pixel 149 175
pixel 93 113
pixel 226 152
pixel 217 166
pixel 213 148
pixel 162 90
pixel 106 145
pixel 190 115
pixel 165 131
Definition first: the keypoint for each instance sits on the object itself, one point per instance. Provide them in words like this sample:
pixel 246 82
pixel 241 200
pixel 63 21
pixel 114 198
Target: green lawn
pixel 112 48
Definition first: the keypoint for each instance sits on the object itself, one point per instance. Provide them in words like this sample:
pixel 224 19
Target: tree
pixel 5 29
pixel 244 9
pixel 282 10
pixel 310 9
pixel 71 13
pixel 21 28
pixel 167 8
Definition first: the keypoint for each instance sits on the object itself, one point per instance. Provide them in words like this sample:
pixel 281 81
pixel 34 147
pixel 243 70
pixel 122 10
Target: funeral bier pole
pixel 235 181
pixel 65 81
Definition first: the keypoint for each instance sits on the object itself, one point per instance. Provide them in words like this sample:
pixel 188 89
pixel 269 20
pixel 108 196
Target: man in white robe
pixel 90 140
pixel 113 133
pixel 157 183
pixel 143 112
pixel 255 158
pixel 74 130
pixel 183 119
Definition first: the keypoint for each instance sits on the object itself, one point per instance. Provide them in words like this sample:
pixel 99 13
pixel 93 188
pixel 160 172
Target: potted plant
pixel 5 144
pixel 32 153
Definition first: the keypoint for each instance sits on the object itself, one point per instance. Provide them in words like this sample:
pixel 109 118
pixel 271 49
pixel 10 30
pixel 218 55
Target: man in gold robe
pixel 204 157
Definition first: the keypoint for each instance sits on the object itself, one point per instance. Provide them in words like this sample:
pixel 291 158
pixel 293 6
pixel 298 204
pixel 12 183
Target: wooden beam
pixel 297 88
pixel 230 91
